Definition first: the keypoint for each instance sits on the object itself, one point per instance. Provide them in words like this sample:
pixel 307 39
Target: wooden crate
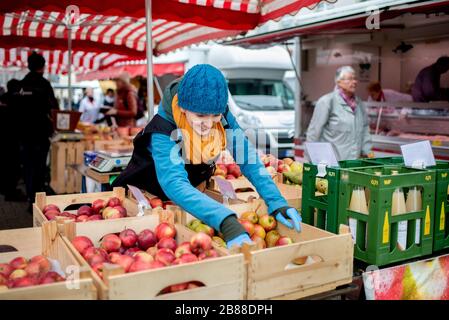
pixel 124 145
pixel 291 193
pixel 62 201
pixel 238 184
pixel 30 242
pixel 224 277
pixel 64 178
pixel 317 261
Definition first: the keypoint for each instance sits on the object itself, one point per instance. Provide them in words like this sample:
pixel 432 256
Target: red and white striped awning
pixel 57 60
pixel 100 33
pixel 221 14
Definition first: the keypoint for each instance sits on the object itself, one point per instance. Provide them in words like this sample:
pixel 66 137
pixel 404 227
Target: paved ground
pixel 14 215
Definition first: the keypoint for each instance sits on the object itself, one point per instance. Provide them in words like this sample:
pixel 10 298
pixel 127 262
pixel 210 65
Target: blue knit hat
pixel 203 89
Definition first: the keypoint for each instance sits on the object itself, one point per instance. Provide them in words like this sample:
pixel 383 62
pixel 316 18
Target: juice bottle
pixel 398 207
pixel 358 200
pixel 413 204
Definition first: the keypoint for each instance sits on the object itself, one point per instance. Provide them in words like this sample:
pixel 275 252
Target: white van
pixel 260 98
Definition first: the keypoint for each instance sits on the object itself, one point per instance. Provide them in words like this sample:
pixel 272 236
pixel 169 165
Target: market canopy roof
pixel 134 70
pixel 57 60
pixel 221 14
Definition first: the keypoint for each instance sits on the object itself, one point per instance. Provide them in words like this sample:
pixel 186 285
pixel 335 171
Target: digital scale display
pixel 110 162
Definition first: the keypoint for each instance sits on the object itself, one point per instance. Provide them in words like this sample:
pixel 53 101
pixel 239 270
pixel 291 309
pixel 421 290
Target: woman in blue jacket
pixel 176 153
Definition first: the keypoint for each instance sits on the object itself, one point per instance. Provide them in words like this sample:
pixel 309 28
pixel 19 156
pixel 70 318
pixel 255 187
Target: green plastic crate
pixel 376 233
pixel 326 205
pixel 441 232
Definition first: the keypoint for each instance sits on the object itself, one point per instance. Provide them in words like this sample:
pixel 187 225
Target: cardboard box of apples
pixel 84 207
pixel 153 257
pixel 287 264
pixel 35 264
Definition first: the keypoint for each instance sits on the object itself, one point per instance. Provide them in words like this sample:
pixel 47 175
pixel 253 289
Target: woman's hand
pixel 284 214
pixel 239 241
pixel 112 112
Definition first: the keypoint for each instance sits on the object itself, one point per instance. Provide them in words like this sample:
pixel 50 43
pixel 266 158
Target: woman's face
pixel 202 123
pixel 348 82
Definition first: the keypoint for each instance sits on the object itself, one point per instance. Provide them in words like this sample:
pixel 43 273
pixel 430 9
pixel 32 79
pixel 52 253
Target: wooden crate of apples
pixel 39 266
pixel 154 258
pixel 286 264
pixel 92 207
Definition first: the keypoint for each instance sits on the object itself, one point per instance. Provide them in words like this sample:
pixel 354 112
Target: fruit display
pixel 21 272
pixel 291 170
pixel 156 202
pixel 229 171
pixel 98 210
pixel 261 229
pixel 145 250
pixel 321 185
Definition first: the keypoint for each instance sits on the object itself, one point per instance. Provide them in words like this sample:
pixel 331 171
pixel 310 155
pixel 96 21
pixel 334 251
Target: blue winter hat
pixel 203 89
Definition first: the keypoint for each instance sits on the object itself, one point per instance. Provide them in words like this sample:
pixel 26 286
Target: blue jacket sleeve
pixel 247 158
pixel 173 179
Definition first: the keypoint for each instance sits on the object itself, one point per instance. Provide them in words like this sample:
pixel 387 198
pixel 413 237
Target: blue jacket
pixel 174 180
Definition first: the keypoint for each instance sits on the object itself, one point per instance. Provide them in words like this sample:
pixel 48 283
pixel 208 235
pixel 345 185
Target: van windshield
pixel 258 94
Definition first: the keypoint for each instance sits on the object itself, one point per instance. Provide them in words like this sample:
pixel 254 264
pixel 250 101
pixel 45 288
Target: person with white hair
pixel 125 107
pixel 341 119
pixel 89 107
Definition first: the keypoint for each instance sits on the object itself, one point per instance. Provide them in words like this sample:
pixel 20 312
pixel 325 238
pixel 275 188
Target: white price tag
pixel 142 201
pixel 321 152
pixel 226 188
pixel 418 154
pixel 321 170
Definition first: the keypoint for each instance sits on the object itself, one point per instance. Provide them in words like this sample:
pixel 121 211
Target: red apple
pixel 82 243
pixel 96 259
pixel 156 264
pixel 122 210
pixel 223 169
pixel 139 265
pixel 166 256
pixel 200 242
pixel 68 215
pixel 85 210
pixel 251 216
pixel 132 251
pixel 249 227
pixel 156 202
pixel 98 206
pixel 234 169
pixel 44 263
pixel 51 214
pixel 230 177
pixel 282 241
pixel 50 277
pixel 92 251
pixel 82 218
pixel 5 269
pixel 259 231
pixel 267 222
pixel 271 170
pixel 111 243
pixel 111 213
pixel 98 269
pixel 283 168
pixel 152 251
pixel 23 282
pixel 165 230
pixel 3 280
pixel 260 242
pixel 182 249
pixel 32 269
pixel 128 237
pixel 114 257
pixel 114 202
pixel 143 256
pixel 18 273
pixel 209 254
pixel 95 217
pixel 51 207
pixel 187 258
pixel 271 238
pixel 125 262
pixel 178 287
pixel 168 243
pixel 18 263
pixel 146 239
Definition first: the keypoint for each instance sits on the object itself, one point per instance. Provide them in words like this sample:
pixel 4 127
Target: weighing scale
pixel 110 161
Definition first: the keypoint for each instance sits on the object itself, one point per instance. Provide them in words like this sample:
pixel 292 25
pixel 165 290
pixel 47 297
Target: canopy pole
pixel 298 95
pixel 149 46
pixel 69 69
